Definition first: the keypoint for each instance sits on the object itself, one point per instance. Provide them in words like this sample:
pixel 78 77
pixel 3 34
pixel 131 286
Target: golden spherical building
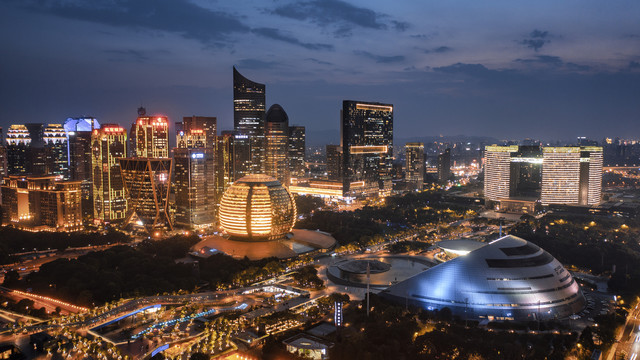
pixel 257 208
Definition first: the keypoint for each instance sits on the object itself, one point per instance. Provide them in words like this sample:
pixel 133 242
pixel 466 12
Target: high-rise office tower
pixel 36 157
pixel 3 158
pixel 297 148
pixel 444 166
pixel 497 170
pixel 414 165
pixel 147 182
pixel 79 131
pixel 195 172
pixel 195 187
pixel 207 125
pixel 517 177
pixel 367 147
pixel 248 120
pixel 277 144
pixel 151 134
pixel 18 141
pixel 226 162
pixel 193 138
pixel 572 175
pixel 108 144
pixel 56 150
pixel 334 162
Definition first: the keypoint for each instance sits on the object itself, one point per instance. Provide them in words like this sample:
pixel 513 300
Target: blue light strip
pixel 177 321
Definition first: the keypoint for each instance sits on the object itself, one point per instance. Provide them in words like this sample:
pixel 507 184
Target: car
pixel 591 319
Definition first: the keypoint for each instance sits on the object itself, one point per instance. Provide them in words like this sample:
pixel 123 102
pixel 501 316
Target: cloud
pixel 536 40
pixel 542 59
pixel 438 50
pixel 400 25
pixel 179 17
pixel 475 70
pixel 380 58
pixel 553 62
pixel 340 14
pixel 275 34
pixel 539 34
pixel 132 55
pixel 257 64
pixel 319 61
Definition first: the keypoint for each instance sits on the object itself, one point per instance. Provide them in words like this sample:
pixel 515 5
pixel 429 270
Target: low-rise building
pixel 31 201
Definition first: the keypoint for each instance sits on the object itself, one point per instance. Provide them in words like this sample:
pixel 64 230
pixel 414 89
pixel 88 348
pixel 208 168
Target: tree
pixel 11 278
pixel 199 356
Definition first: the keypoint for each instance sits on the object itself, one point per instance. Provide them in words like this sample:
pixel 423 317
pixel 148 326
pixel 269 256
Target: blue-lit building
pixel 508 279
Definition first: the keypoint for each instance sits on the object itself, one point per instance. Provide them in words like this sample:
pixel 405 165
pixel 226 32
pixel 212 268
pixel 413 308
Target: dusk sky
pixel 507 69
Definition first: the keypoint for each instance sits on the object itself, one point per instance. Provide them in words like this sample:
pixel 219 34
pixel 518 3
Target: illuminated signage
pixel 197 156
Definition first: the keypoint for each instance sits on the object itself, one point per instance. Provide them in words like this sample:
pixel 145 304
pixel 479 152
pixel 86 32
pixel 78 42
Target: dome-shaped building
pixel 257 208
pixel 508 279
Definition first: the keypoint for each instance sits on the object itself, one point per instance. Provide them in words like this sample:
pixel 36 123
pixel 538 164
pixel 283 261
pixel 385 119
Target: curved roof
pixel 237 77
pixel 259 178
pixel 509 276
pixel 461 246
pixel 277 114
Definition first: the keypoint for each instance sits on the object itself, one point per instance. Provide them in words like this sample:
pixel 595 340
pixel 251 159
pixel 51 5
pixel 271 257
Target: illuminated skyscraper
pixel 147 182
pixel 195 172
pixel 444 166
pixel 572 175
pixel 79 131
pixel 3 159
pixel 193 138
pixel 207 125
pixel 414 173
pixel 297 147
pixel 497 170
pixel 109 143
pixel 151 134
pixel 516 177
pixel 36 158
pixel 334 162
pixel 367 147
pixel 277 144
pixel 195 187
pixel 249 123
pixel 56 151
pixel 18 141
pixel 225 162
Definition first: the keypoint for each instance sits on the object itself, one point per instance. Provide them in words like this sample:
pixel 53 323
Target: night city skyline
pixel 504 71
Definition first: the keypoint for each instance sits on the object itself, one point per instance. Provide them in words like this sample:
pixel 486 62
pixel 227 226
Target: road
pixel 629 338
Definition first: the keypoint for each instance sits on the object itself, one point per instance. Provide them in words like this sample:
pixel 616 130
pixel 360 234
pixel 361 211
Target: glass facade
pixel 277 144
pixel 257 208
pixel 414 165
pixel 249 124
pixel 367 146
pixel 109 143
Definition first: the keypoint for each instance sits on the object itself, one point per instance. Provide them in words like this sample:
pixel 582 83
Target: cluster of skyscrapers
pixel 82 172
pixel 136 177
